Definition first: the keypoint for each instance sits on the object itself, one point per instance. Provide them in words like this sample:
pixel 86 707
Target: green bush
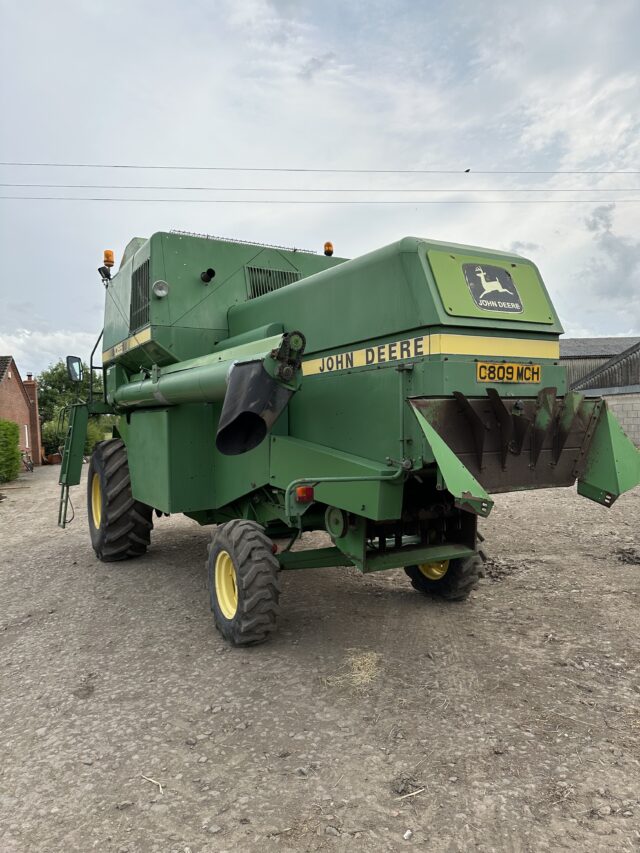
pixel 52 440
pixel 95 433
pixel 9 451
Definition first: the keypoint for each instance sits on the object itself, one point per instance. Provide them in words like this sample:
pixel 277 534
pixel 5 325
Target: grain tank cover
pixel 407 286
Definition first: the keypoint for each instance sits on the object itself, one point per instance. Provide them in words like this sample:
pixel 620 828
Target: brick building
pixel 19 403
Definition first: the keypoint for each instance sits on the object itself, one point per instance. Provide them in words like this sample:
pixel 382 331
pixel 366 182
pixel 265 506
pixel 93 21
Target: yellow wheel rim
pixel 96 501
pixel 434 571
pixel 226 585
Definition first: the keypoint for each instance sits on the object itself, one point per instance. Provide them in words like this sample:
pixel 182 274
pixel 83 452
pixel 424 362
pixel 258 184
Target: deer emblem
pixel 492 286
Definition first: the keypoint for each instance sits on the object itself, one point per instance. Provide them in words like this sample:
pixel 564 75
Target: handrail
pixel 92 367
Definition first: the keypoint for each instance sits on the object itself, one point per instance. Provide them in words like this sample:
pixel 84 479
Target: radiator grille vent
pixel 139 316
pixel 263 281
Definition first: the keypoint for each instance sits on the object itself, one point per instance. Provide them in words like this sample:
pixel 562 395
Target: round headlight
pixel 160 289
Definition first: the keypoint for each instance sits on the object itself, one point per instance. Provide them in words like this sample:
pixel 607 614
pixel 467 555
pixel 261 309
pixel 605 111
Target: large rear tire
pixel 244 587
pixel 120 526
pixel 452 580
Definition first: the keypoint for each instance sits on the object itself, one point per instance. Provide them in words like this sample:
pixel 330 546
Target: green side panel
pixel 345 411
pixel 292 459
pixel 448 271
pixel 613 462
pixel 73 454
pixel 466 490
pixel 171 457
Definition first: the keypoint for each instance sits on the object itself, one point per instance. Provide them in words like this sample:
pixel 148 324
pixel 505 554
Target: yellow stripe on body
pixel 437 344
pixel 497 347
pixel 141 337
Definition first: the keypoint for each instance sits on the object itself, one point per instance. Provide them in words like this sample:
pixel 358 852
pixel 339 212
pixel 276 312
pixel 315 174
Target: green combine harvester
pixel 271 391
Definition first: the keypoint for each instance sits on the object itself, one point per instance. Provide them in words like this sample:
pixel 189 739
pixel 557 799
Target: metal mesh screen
pixel 139 316
pixel 263 281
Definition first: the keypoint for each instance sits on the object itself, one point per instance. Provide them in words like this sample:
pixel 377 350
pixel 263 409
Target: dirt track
pixel 512 721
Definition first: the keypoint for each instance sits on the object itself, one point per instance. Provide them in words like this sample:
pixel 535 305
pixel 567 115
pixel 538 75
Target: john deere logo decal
pixel 492 288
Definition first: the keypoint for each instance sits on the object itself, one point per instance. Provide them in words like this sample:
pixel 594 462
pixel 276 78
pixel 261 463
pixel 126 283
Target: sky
pixel 275 84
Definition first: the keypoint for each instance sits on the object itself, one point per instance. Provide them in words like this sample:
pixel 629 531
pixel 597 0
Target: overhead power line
pixel 336 171
pixel 321 190
pixel 323 201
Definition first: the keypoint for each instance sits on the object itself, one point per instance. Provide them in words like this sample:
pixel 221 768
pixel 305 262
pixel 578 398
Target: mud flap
pixel 612 464
pixel 467 492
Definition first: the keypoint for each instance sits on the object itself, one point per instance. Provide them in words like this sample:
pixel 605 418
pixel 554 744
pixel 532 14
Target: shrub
pixel 95 433
pixel 9 451
pixel 51 438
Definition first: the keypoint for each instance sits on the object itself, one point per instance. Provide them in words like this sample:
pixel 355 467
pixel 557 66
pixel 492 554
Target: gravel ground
pixel 510 722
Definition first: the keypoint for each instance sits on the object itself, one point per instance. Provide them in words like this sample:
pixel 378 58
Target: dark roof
pixel 5 361
pixel 620 371
pixel 594 347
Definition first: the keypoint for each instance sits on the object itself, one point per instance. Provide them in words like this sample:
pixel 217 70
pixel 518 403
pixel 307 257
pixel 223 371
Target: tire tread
pixel 257 571
pixel 127 523
pixel 456 585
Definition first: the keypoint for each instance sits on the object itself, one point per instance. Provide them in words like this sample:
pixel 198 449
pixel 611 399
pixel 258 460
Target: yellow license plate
pixel 489 371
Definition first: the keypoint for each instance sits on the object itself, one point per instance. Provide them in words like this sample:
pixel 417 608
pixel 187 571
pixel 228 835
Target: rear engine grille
pixel 263 281
pixel 139 316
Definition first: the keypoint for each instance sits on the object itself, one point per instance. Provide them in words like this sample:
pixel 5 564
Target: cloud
pixel 601 218
pixel 522 247
pixel 35 351
pixel 607 284
pixel 315 65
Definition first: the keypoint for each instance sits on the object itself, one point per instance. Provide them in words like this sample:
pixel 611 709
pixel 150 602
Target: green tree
pixel 56 390
pixel 97 430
